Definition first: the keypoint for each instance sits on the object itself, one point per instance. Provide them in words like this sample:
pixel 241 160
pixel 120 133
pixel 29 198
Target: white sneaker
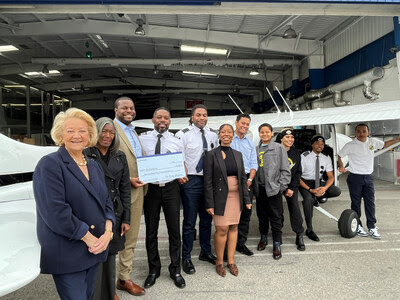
pixel 374 233
pixel 361 231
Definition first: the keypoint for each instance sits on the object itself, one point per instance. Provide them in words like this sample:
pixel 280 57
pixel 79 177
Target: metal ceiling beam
pixel 222 71
pixel 43 45
pixel 137 81
pixel 162 61
pixel 226 8
pixel 178 91
pixel 22 68
pixel 228 39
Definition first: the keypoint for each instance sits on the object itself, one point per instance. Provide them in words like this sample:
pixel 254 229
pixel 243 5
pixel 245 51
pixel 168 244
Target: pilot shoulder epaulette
pixel 305 153
pixel 146 132
pixel 184 130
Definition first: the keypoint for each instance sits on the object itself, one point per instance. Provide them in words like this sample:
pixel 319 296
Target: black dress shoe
pixel 262 243
pixel 316 203
pixel 150 280
pixel 312 236
pixel 208 257
pixel 276 252
pixel 188 267
pixel 178 280
pixel 244 250
pixel 322 199
pixel 300 242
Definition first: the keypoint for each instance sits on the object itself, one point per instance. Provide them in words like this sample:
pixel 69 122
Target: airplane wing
pixel 16 157
pixel 20 249
pixel 389 110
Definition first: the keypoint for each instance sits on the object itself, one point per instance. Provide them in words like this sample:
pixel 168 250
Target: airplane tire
pixel 348 223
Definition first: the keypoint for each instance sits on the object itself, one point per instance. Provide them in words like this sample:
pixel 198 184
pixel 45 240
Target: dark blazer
pixel 68 206
pixel 216 181
pixel 119 187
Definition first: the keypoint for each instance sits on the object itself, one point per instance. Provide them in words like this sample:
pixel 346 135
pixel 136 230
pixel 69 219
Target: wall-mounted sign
pixel 191 103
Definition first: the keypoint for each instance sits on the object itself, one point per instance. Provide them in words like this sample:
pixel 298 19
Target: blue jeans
pixel 193 204
pixel 362 186
pixel 78 285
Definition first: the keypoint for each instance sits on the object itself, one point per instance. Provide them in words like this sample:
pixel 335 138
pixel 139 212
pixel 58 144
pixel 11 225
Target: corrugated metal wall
pixel 354 37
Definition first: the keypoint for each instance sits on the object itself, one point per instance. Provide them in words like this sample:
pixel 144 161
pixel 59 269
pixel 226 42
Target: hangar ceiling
pixel 98 54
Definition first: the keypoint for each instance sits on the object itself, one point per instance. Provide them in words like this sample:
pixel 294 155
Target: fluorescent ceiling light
pixel 254 72
pixel 15 86
pixel 6 48
pixel 199 73
pixel 33 73
pixel 207 50
pixel 101 40
pixel 19 86
pixel 36 74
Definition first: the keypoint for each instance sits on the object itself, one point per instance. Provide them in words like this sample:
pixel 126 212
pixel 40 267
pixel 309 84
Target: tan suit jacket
pixel 137 194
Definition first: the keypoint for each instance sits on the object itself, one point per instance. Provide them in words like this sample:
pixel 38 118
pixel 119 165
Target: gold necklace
pixel 84 163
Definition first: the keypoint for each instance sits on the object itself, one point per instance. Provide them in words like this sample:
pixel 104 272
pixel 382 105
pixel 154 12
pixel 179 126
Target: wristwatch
pixel 112 233
pixel 249 179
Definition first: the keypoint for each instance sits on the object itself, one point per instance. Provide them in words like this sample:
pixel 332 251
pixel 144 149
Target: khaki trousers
pixel 126 255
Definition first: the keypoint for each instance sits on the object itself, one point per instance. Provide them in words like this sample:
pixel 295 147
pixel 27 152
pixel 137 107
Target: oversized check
pixel 161 167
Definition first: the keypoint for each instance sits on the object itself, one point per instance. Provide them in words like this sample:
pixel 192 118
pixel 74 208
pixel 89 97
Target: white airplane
pixel 20 251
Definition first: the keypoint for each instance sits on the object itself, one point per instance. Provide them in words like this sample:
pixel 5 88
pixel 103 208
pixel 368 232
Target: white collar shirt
pixel 308 160
pixel 169 142
pixel 193 145
pixel 361 155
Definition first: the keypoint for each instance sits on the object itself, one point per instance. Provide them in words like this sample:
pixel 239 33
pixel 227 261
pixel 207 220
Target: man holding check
pixel 165 194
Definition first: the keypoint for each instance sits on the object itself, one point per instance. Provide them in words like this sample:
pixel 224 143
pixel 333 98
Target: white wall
pixel 356 36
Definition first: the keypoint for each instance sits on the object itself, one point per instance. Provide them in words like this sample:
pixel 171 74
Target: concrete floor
pixel 334 268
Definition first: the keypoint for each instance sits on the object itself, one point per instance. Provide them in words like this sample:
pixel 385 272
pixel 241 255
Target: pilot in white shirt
pixel 165 195
pixel 192 140
pixel 314 189
pixel 197 139
pixel 360 181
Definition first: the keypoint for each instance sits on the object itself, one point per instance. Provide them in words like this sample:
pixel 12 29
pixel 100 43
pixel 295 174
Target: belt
pixel 162 184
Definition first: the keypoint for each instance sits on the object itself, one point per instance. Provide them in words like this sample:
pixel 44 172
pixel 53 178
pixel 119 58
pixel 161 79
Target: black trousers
pixel 167 197
pixel 296 220
pixel 105 280
pixel 308 199
pixel 244 222
pixel 270 210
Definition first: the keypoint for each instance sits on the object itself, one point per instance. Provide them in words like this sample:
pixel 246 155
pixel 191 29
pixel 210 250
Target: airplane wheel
pixel 348 223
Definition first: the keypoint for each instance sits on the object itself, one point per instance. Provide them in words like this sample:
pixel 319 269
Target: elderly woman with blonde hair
pixel 74 211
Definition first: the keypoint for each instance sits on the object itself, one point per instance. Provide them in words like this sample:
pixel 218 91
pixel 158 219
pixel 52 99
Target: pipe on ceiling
pixel 335 90
pixel 161 61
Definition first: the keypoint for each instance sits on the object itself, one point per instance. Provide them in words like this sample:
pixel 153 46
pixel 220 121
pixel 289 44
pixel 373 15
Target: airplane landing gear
pixel 348 223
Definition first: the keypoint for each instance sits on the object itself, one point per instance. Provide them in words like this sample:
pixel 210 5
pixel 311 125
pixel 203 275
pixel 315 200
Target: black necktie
pixel 199 166
pixel 158 145
pixel 317 172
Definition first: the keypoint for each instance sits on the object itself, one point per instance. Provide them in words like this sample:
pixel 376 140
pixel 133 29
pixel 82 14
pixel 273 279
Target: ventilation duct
pixel 335 90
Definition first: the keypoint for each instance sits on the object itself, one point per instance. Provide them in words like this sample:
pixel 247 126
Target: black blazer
pixel 119 187
pixel 216 181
